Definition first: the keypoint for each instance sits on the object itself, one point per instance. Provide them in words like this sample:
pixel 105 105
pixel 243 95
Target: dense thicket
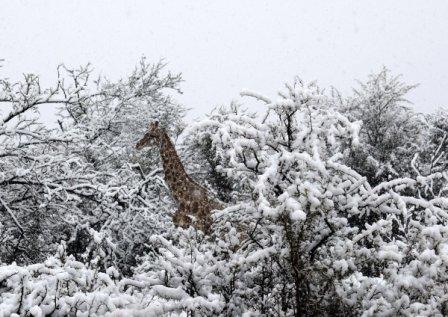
pixel 334 205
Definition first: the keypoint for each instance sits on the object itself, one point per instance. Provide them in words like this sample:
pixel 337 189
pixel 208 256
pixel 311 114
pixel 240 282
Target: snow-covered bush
pixel 287 164
pixel 62 286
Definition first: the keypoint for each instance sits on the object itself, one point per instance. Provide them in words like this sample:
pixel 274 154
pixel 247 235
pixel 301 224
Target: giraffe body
pixel 194 201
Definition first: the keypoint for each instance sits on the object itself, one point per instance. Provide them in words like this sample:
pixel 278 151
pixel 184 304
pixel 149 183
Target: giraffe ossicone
pixel 195 203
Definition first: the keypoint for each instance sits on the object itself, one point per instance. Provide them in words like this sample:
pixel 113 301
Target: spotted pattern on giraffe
pixel 195 203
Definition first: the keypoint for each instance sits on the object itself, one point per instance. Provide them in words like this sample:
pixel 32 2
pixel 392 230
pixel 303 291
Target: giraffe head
pixel 154 134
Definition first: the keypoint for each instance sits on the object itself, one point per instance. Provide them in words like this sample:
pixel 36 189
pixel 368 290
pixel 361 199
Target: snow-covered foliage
pixel 391 131
pixel 434 155
pixel 62 286
pixel 334 206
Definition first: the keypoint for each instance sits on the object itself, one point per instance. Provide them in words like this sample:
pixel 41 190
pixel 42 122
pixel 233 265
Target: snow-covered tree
pixel 390 133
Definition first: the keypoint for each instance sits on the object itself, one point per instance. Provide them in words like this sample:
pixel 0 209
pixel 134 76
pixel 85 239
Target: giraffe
pixel 192 199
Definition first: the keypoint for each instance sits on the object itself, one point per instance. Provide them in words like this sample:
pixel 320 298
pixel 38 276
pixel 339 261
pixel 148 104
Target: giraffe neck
pixel 175 175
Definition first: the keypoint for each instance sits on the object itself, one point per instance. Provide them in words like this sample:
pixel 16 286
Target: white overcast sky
pixel 222 47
